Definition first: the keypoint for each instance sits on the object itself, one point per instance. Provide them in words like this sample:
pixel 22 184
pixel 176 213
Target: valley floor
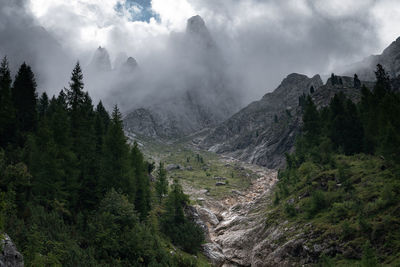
pixel 228 198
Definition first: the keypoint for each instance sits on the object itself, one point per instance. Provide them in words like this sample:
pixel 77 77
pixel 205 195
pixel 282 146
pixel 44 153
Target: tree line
pixel 73 192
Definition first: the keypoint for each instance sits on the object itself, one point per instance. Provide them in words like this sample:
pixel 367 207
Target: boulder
pixel 10 257
pixel 207 216
pixel 189 168
pixel 171 167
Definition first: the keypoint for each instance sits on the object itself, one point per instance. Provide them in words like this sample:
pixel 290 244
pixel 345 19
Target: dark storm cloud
pixel 270 39
pixel 260 42
pixel 22 39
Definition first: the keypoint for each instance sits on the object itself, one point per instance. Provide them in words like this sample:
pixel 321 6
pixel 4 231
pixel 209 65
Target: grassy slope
pixel 358 200
pixel 202 174
pixel 200 177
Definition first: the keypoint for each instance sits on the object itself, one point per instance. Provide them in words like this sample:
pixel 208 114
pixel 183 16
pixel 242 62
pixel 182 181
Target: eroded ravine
pixel 236 222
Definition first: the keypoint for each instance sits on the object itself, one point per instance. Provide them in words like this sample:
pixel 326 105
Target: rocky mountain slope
pixel 389 59
pixel 265 130
pixel 204 98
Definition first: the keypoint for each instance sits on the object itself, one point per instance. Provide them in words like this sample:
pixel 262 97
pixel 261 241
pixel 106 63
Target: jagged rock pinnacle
pixel 129 65
pixel 197 30
pixel 101 60
pixel 196 24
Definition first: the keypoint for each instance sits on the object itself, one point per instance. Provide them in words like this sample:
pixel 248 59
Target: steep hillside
pixel 265 130
pixel 337 201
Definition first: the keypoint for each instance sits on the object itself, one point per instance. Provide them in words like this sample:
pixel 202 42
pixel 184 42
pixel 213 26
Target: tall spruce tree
pixel 117 173
pixel 43 105
pixel 24 97
pixel 75 99
pixel 174 224
pixel 311 122
pixel 75 94
pixel 142 183
pixel 162 182
pixel 383 84
pixel 356 82
pixel 7 112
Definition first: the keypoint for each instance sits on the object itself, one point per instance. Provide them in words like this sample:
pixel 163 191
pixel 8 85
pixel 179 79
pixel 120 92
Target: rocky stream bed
pixel 235 224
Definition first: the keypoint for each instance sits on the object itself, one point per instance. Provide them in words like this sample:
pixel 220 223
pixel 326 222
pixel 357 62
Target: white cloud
pixel 343 8
pixel 267 38
pixel 81 25
pixel 173 13
pixel 387 17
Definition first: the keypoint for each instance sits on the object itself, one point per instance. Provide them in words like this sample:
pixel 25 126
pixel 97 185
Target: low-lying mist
pixel 245 49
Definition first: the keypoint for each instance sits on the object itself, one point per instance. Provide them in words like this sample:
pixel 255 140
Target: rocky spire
pixel 101 60
pixel 196 28
pixel 129 65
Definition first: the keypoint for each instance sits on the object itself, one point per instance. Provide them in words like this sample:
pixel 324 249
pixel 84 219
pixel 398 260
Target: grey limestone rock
pixel 10 257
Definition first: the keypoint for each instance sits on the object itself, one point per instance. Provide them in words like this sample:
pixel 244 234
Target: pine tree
pixel 356 82
pixel 383 84
pixel 7 112
pixel 102 120
pixel 354 131
pixel 103 115
pixel 368 258
pixel 311 122
pixel 344 125
pixel 75 94
pixel 116 155
pixel 337 120
pixel 45 165
pixel 75 100
pixel 142 183
pixel 25 99
pixel 174 224
pixel 334 79
pixel 43 105
pixel 162 182
pixel 378 109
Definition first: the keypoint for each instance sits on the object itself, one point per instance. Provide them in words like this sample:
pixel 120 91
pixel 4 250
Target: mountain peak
pixel 197 31
pixel 196 24
pixel 293 78
pixel 101 60
pixel 129 65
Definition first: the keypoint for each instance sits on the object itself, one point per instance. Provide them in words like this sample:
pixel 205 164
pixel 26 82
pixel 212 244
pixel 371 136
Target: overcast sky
pixel 262 40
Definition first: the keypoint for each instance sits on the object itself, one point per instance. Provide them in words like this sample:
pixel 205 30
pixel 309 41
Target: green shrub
pixel 290 210
pixel 316 203
pixel 369 257
pixel 347 230
pixel 339 211
pixel 325 261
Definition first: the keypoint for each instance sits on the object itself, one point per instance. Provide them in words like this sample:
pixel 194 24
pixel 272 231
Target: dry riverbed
pixel 233 222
